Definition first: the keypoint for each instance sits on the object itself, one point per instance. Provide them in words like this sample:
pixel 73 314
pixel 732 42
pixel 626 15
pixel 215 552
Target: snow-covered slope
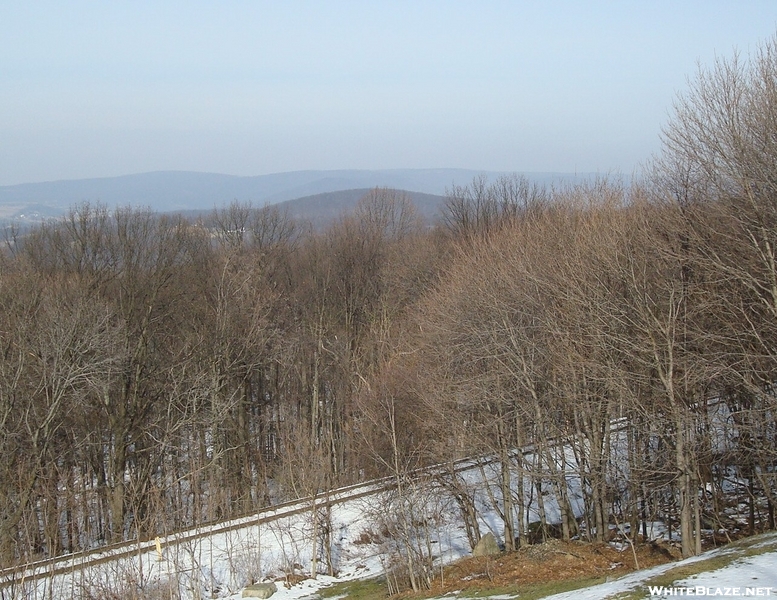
pixel 352 536
pixel 747 568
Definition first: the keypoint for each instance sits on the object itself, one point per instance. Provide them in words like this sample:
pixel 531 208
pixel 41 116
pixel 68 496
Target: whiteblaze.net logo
pixel 660 591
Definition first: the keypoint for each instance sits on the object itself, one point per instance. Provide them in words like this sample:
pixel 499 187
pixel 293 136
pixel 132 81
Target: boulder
pixel 260 590
pixel 486 546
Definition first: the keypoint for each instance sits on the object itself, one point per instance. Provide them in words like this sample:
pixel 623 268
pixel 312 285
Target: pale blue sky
pixel 92 89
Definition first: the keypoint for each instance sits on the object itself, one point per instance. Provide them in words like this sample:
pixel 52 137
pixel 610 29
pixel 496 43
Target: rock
pixel 487 546
pixel 260 590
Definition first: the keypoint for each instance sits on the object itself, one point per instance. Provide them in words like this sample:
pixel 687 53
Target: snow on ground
pixel 752 572
pixel 746 576
pixel 221 564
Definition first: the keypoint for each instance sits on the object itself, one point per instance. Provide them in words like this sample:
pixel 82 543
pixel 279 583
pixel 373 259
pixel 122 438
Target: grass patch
pixel 755 545
pixel 534 591
pixel 375 589
pixel 485 590
pixel 359 589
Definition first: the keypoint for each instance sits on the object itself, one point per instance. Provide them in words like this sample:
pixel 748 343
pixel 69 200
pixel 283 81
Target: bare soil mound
pixel 552 561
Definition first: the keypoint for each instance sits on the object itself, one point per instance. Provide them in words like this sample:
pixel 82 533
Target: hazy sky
pixel 92 89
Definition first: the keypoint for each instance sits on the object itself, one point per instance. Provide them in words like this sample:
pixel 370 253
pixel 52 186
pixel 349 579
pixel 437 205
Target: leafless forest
pixel 158 373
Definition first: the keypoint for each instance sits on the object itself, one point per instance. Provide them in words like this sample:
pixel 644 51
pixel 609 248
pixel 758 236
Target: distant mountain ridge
pixel 323 209
pixel 166 191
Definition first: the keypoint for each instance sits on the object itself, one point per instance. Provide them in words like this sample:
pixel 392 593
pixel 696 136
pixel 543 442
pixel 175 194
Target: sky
pixel 97 89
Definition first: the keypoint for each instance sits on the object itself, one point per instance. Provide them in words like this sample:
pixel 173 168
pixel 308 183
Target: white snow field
pixel 220 561
pixel 751 572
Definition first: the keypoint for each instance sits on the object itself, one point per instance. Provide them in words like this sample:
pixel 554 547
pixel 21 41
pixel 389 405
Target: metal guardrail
pixel 70 563
pixel 85 559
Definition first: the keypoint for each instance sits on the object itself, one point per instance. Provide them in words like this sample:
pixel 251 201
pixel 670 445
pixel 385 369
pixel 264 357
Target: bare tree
pixel 718 167
pixel 59 346
pixel 481 207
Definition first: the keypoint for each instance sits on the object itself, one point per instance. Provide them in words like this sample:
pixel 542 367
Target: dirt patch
pixel 552 561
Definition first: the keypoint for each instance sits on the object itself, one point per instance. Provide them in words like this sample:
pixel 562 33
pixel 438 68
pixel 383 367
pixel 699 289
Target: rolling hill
pixel 167 191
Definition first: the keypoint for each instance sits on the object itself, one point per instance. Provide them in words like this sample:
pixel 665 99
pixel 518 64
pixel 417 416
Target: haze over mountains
pixel 167 191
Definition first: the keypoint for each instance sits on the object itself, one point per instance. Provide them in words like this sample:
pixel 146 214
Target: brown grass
pixel 544 563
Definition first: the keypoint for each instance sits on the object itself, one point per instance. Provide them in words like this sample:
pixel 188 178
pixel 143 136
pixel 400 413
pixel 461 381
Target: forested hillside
pixel 158 373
